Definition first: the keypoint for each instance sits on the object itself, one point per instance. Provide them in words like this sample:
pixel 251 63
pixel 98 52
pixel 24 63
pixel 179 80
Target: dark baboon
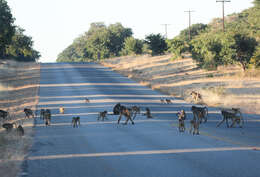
pixel 234 115
pixel 116 109
pixel 102 115
pixel 195 96
pixel 168 101
pixel 75 122
pixel 28 113
pixel 162 100
pixel 148 113
pixel 20 130
pixel 47 117
pixel 124 111
pixel 42 113
pixel 87 100
pixel 203 113
pixel 135 110
pixel 4 114
pixel 8 126
pixel 181 117
pixel 194 125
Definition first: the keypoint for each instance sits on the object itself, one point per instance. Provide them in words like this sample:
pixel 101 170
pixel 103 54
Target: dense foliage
pixel 98 43
pixel 210 47
pixel 156 43
pixel 13 43
pixel 132 46
pixel 6 26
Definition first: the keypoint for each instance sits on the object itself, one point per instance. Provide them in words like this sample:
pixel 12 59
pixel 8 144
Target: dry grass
pixel 18 89
pixel 225 87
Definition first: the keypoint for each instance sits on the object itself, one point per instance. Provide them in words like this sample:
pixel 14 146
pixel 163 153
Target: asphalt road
pixel 150 148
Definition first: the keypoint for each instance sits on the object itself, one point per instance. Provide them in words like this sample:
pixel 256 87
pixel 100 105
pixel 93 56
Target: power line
pixel 166 25
pixel 223 12
pixel 189 11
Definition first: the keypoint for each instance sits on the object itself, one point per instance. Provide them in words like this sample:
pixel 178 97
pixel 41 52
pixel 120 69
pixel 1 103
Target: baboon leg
pixel 134 116
pixel 233 122
pixel 227 122
pixel 119 118
pixel 220 122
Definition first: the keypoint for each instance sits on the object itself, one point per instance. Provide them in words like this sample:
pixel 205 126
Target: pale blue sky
pixel 54 24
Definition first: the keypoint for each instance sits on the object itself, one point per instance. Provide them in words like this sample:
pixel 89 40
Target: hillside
pixel 225 87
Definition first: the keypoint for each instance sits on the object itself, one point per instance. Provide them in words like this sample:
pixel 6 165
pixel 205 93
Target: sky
pixel 54 24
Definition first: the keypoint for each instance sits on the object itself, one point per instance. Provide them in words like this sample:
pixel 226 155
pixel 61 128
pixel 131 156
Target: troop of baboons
pixel 200 114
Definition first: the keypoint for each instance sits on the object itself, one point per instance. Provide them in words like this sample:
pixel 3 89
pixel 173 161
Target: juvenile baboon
pixel 20 130
pixel 194 125
pixel 234 115
pixel 203 113
pixel 8 126
pixel 87 100
pixel 75 122
pixel 4 114
pixel 181 117
pixel 135 110
pixel 116 109
pixel 102 115
pixel 148 113
pixel 195 96
pixel 168 101
pixel 28 113
pixel 124 111
pixel 42 113
pixel 61 110
pixel 47 117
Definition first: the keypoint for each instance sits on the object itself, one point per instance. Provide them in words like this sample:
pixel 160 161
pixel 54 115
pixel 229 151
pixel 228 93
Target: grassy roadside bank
pixel 225 87
pixel 19 84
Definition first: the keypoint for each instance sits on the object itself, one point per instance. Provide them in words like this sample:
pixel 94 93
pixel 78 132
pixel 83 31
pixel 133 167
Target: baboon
pixel 28 113
pixel 124 111
pixel 75 121
pixel 61 110
pixel 162 100
pixel 4 114
pixel 102 115
pixel 135 110
pixel 87 100
pixel 195 96
pixel 116 109
pixel 181 117
pixel 20 130
pixel 42 113
pixel 234 115
pixel 197 117
pixel 203 111
pixel 47 117
pixel 8 126
pixel 168 101
pixel 194 125
pixel 148 113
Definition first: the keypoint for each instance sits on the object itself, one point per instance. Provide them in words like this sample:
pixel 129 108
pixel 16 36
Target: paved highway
pixel 150 148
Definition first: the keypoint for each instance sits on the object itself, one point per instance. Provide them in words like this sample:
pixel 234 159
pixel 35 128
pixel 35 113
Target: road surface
pixel 150 148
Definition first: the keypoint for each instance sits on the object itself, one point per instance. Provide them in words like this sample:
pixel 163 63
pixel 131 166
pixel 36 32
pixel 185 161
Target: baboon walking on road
pixel 102 115
pixel 234 115
pixel 124 111
pixel 28 113
pixel 75 122
pixel 181 117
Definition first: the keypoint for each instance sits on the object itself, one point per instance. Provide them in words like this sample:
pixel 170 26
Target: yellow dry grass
pixel 225 87
pixel 18 89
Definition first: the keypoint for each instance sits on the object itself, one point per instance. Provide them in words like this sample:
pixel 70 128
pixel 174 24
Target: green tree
pixel 176 47
pixel 7 28
pixel 195 29
pixel 132 46
pixel 244 48
pixel 21 47
pixel 157 44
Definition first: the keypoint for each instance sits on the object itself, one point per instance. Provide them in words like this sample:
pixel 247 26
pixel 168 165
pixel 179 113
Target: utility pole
pixel 189 11
pixel 223 12
pixel 166 25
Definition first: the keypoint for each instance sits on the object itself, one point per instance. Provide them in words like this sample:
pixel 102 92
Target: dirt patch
pixel 19 83
pixel 225 87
